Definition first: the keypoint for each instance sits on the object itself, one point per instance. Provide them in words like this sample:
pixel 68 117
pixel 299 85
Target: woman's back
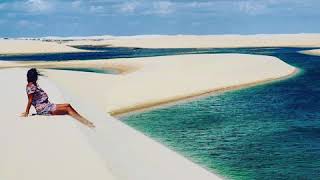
pixel 40 98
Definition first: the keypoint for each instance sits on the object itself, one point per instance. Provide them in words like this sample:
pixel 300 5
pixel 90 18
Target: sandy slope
pixel 154 81
pixel 42 147
pixel 30 46
pixel 58 147
pixel 208 41
pixel 314 52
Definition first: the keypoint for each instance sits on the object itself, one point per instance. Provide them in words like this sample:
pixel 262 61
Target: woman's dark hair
pixel 32 75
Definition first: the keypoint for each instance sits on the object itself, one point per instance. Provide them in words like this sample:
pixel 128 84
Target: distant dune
pixel 314 52
pixel 33 46
pixel 207 41
pixel 64 44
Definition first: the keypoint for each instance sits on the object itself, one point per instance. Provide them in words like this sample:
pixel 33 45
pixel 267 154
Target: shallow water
pixel 100 53
pixel 110 52
pixel 270 131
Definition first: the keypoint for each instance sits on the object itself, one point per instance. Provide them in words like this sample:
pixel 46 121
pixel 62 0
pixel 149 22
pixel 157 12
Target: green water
pixel 270 131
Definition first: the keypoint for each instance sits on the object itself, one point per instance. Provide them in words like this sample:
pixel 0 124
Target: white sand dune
pixel 42 147
pixel 21 46
pixel 58 147
pixel 33 46
pixel 155 81
pixel 313 52
pixel 208 41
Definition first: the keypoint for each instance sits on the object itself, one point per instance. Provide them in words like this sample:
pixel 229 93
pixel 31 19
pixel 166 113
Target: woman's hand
pixel 24 114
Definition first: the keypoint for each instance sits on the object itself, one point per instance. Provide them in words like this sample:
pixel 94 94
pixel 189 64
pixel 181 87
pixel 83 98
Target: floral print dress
pixel 40 100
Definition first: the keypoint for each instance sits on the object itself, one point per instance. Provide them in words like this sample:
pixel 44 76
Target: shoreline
pixel 177 100
pixel 141 75
pixel 134 66
pixel 166 102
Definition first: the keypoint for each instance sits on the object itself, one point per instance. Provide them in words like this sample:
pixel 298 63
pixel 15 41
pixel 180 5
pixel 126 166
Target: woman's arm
pixel 26 113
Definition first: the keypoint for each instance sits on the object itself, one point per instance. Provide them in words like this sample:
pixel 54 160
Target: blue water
pixel 102 53
pixel 110 52
pixel 269 131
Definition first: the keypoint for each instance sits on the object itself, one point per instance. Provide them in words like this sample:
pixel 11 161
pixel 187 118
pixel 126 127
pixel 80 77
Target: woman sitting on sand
pixel 39 99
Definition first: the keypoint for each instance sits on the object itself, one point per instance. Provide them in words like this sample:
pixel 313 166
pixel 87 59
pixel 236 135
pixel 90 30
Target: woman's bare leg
pixel 64 109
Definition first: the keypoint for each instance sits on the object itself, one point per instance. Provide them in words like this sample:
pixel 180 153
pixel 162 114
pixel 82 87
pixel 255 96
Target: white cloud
pixel 37 6
pixel 145 7
pixel 252 7
pixel 129 7
pixel 155 7
pixel 76 4
pixel 163 8
pixel 96 9
pixel 199 4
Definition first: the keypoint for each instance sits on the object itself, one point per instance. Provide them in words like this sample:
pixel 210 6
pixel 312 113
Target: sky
pixel 39 18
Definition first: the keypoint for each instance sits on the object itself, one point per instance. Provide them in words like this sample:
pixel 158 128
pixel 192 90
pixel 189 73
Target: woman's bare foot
pixel 90 124
pixel 86 122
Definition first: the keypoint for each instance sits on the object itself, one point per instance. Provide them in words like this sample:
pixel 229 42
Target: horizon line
pixel 146 35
